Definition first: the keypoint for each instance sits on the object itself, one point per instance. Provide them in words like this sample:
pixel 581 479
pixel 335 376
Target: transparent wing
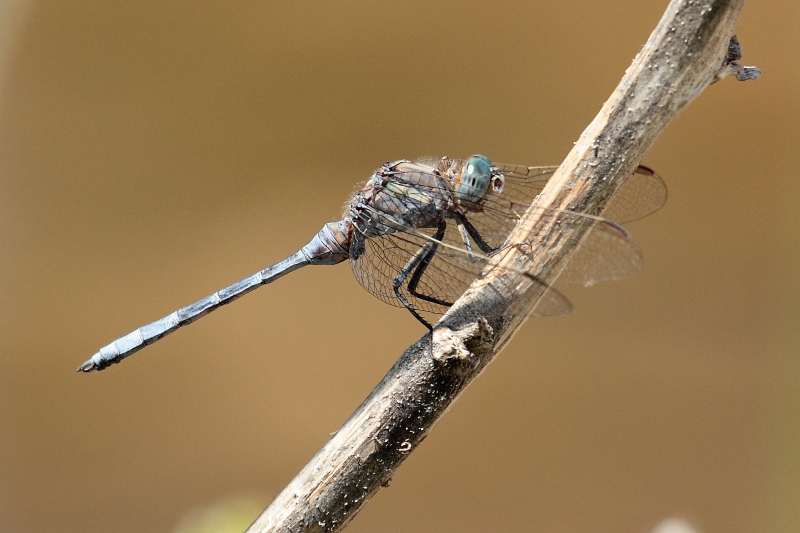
pixel 388 270
pixel 642 194
pixel 607 253
pixel 448 274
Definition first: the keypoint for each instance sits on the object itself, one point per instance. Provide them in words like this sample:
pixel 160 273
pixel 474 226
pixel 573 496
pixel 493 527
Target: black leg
pixel 418 264
pixel 424 261
pixel 483 245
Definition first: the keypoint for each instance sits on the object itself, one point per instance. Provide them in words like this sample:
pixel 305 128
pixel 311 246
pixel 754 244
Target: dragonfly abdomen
pixel 328 247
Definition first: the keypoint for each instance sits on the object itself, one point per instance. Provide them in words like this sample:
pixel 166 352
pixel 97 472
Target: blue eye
pixel 476 176
pixel 481 158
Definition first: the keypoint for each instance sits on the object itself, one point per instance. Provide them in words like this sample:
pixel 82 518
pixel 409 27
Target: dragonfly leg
pixel 465 237
pixel 472 232
pixel 412 310
pixel 418 264
pixel 419 270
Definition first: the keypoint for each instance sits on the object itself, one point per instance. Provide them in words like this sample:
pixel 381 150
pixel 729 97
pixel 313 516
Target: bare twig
pixel 688 50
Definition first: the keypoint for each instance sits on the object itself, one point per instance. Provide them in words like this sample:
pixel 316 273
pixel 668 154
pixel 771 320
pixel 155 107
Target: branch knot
pixel 455 350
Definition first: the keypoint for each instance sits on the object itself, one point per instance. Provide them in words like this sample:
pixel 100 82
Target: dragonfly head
pixel 475 180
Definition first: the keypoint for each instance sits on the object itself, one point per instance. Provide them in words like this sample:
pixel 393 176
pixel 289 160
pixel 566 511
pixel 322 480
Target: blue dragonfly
pixel 420 232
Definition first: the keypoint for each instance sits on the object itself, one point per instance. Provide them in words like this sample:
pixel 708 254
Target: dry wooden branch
pixel 688 50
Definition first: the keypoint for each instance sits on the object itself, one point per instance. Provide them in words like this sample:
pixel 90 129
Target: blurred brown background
pixel 154 152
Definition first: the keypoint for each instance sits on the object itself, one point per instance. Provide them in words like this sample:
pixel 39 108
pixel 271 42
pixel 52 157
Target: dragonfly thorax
pixel 401 195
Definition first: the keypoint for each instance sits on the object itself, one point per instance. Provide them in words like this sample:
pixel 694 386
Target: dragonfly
pixel 419 232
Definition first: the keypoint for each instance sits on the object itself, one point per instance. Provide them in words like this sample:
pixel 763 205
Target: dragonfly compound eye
pixel 476 177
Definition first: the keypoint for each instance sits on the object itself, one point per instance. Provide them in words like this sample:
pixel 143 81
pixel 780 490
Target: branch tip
pixel 730 67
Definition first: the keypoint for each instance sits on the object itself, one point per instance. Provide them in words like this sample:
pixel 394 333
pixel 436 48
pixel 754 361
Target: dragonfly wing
pixel 385 256
pixel 642 194
pixel 451 270
pixel 608 253
pixel 472 263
